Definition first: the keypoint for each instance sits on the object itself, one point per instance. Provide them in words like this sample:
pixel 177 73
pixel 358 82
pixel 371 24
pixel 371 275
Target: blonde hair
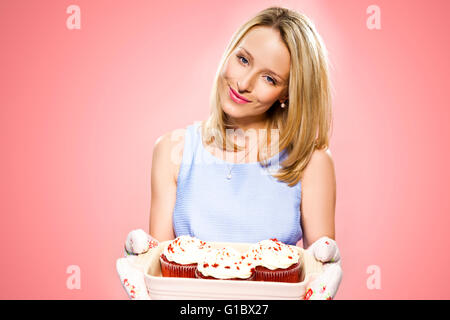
pixel 304 125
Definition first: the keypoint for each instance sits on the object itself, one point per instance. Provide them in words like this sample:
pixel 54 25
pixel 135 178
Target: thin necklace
pixel 230 167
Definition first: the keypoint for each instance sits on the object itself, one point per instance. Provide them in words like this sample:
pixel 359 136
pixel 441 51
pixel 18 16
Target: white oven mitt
pixel 325 286
pixel 131 277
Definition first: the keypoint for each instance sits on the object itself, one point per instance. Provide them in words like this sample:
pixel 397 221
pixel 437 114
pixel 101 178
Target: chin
pixel 232 110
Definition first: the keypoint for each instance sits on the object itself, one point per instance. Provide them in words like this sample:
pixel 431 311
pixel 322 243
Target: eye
pixel 272 80
pixel 239 58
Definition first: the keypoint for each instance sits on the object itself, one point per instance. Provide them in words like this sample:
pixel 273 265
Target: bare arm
pixel 318 201
pixel 164 186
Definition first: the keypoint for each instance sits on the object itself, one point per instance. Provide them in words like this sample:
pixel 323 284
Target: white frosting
pixel 138 241
pixel 225 263
pixel 185 250
pixel 273 254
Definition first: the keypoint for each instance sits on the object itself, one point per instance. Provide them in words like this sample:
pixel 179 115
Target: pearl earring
pixel 283 105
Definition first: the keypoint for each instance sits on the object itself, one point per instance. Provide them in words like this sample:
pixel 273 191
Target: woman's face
pixel 258 70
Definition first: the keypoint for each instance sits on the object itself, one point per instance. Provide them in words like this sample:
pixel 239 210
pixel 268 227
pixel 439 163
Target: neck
pixel 248 123
pixel 241 132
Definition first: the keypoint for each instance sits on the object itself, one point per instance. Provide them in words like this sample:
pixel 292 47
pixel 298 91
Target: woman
pixel 293 97
pixel 271 93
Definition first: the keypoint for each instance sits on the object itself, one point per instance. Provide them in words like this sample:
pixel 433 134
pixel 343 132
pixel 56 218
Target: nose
pixel 241 89
pixel 245 84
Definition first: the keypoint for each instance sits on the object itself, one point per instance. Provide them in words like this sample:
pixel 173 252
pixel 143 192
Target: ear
pixel 284 96
pixel 284 99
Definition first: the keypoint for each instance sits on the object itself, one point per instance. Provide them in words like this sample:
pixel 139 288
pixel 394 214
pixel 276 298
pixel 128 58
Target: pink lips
pixel 236 97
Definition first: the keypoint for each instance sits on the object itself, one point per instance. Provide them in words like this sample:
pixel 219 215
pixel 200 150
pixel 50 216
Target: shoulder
pixel 319 166
pixel 168 150
pixel 169 139
pixel 322 158
pixel 173 137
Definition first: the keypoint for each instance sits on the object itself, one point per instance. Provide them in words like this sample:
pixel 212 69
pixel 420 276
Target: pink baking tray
pixel 166 288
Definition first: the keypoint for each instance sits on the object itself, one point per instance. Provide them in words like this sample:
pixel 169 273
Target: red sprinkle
pixel 227 267
pixel 215 265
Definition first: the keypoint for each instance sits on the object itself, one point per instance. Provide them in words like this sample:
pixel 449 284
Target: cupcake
pixel 275 261
pixel 224 264
pixel 179 258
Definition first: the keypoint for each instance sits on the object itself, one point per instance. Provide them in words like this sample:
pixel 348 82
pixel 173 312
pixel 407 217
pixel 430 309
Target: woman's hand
pixel 131 277
pixel 325 286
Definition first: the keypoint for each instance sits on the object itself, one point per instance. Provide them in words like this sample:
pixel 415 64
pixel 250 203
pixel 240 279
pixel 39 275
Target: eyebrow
pixel 266 69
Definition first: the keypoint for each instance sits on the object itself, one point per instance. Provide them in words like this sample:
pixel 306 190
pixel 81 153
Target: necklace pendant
pixel 229 176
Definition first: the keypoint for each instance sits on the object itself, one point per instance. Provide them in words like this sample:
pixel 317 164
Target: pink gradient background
pixel 81 110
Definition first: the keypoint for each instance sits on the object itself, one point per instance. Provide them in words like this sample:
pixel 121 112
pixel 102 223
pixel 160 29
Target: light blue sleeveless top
pixel 250 207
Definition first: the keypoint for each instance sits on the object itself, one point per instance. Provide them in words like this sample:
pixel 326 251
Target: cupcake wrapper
pixel 291 274
pixel 171 269
pixel 200 275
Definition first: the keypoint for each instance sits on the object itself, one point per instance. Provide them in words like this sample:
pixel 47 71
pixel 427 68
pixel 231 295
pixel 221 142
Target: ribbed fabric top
pixel 250 207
